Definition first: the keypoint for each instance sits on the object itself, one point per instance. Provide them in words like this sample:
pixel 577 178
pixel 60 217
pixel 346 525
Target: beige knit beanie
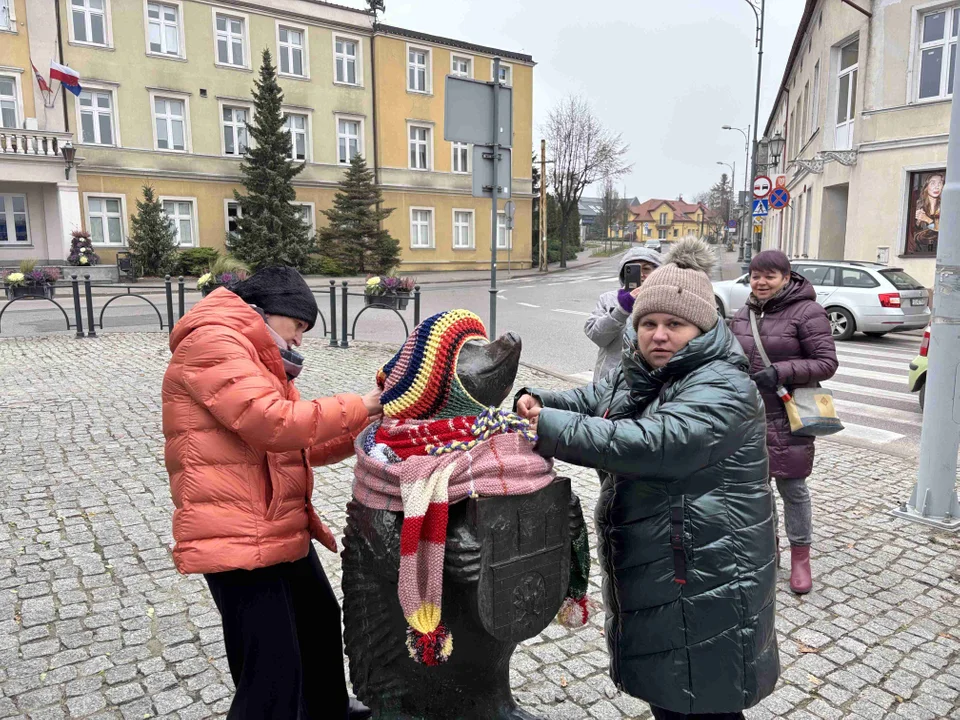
pixel 681 286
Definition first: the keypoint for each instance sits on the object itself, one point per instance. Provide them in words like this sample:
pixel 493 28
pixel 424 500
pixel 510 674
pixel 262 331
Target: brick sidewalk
pixel 95 621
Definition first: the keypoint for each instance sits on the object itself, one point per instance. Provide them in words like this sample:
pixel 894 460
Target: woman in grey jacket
pixel 685 515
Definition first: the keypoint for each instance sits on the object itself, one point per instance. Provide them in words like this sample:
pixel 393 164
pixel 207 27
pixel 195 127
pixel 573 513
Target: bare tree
pixel 609 208
pixel 584 152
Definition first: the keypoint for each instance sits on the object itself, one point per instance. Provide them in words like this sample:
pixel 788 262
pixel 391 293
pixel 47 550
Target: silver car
pixel 858 296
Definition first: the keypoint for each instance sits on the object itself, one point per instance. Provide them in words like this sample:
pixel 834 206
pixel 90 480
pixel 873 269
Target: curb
pixel 576 382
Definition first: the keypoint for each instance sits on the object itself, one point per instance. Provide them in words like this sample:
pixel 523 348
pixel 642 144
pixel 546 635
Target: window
pixel 504 235
pixel 296 125
pixel 232 213
pixel 292 51
pixel 938 52
pixel 421 228
pixel 9 105
pixel 857 279
pixel 676 232
pixel 346 52
pixel 419 147
pixel 235 121
pixel 180 211
pixel 417 70
pixel 348 140
pixel 96 117
pixel 815 100
pixel 847 95
pixel 461 66
pixel 462 229
pixel 506 74
pixel 169 118
pixel 461 158
pixel 163 27
pixel 901 280
pixel 923 212
pixel 231 39
pixel 662 233
pixel 820 275
pixel 306 213
pixel 663 218
pixel 806 112
pixel 89 21
pixel 105 220
pixel 14 229
pixel 6 20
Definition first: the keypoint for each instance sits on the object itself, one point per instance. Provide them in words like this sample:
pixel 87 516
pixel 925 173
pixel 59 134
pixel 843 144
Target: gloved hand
pixel 767 379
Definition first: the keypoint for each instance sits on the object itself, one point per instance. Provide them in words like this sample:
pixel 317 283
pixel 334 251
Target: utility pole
pixel 544 260
pixel 934 498
pixel 495 224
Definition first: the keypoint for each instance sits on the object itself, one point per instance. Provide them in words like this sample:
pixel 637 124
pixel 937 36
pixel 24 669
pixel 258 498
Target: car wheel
pixel 923 396
pixel 875 334
pixel 720 309
pixel 842 325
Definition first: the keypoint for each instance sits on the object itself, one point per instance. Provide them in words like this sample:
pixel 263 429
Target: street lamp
pixel 775 148
pixel 759 8
pixel 69 152
pixel 746 176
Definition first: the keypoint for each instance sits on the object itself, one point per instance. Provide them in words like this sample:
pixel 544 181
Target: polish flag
pixel 40 81
pixel 70 79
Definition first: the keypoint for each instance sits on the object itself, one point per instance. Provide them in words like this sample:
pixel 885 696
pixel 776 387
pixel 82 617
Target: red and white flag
pixel 40 81
pixel 68 77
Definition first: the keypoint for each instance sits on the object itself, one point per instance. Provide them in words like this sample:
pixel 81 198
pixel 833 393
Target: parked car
pixel 859 296
pixel 917 381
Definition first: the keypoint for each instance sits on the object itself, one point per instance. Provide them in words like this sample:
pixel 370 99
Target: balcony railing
pixel 40 143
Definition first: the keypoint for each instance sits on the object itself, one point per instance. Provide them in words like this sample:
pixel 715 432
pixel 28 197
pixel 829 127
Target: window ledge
pixel 103 246
pixel 11 31
pixel 464 249
pixel 94 46
pixel 422 170
pixel 417 247
pixel 428 93
pixel 239 68
pixel 355 86
pixel 164 56
pixel 918 256
pixel 8 245
pixel 292 76
pixel 173 152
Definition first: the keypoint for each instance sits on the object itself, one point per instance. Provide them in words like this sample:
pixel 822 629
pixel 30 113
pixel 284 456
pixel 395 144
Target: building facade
pixel 658 219
pixel 167 94
pixel 864 106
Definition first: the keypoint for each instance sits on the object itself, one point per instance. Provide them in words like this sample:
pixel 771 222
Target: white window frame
pixel 431 228
pixel 182 40
pixel 359 59
pixel 171 95
pixel 471 228
pixel 313 213
pixel 918 47
pixel 114 120
pixel 7 218
pixel 805 119
pixel 107 26
pixel 507 243
pixel 245 41
pixel 428 69
pixel 227 202
pixel 361 150
pixel 194 218
pixel 815 100
pixel 420 126
pixel 453 158
pixel 849 125
pixel 308 140
pixel 88 222
pixel 223 125
pixel 17 75
pixel 509 68
pixel 304 50
pixel 462 58
pixel 8 11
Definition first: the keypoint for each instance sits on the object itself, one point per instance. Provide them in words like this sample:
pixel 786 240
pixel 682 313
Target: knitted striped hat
pixel 420 382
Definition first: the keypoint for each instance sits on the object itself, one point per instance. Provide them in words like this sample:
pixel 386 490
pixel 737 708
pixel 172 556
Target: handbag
pixel 811 411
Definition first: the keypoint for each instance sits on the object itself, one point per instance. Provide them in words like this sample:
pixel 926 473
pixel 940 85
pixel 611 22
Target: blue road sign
pixel 779 198
pixel 761 207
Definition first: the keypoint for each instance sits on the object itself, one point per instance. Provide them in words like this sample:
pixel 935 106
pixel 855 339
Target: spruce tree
pixel 270 230
pixel 153 240
pixel 354 235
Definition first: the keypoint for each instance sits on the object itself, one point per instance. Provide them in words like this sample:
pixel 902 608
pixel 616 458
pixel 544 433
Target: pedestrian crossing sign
pixel 761 207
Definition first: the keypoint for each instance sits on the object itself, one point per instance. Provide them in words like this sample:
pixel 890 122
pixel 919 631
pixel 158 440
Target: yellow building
pixel 167 91
pixel 669 219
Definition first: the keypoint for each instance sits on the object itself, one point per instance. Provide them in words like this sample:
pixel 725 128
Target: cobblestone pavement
pixel 95 621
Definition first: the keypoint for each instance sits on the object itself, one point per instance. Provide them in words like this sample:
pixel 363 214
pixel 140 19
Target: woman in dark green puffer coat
pixel 685 516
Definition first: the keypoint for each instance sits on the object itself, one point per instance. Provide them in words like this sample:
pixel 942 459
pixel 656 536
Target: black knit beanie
pixel 280 291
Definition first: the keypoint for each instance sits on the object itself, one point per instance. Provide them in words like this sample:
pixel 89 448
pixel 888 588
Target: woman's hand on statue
pixel 534 421
pixel 528 407
pixel 371 401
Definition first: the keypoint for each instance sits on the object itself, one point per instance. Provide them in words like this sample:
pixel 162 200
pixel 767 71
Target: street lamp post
pixel 746 179
pixel 733 183
pixel 759 8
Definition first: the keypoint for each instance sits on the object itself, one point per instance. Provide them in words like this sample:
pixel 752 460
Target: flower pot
pixel 403 300
pixel 34 291
pixel 382 301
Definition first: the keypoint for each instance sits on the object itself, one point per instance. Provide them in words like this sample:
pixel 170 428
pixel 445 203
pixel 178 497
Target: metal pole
pixel 416 305
pixel 746 219
pixel 934 498
pixel 343 327
pixel 76 306
pixel 180 298
pixel 169 290
pixel 333 313
pixel 544 259
pixel 748 246
pixel 492 325
pixel 91 326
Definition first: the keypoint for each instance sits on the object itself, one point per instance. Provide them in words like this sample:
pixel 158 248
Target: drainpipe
pixel 63 99
pixel 376 129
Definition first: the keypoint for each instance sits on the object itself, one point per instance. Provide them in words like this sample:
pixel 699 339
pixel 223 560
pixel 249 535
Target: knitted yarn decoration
pixel 420 382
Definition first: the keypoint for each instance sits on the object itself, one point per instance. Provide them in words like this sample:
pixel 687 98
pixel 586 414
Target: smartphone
pixel 632 276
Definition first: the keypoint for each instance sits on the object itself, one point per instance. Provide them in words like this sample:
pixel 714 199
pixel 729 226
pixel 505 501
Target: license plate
pixel 918 302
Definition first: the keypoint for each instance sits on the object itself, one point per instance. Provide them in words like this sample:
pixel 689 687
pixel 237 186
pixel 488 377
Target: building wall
pixel 15 58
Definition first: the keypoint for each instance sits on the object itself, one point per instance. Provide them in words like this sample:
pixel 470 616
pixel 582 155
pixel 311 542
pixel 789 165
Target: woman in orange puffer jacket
pixel 240 444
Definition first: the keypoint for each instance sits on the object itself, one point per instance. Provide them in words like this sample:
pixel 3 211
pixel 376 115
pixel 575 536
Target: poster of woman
pixel 923 228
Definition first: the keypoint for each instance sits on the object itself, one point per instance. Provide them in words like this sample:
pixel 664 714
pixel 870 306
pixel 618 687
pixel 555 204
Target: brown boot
pixel 801 581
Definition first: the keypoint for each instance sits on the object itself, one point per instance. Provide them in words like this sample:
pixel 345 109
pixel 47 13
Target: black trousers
pixel 661 714
pixel 281 627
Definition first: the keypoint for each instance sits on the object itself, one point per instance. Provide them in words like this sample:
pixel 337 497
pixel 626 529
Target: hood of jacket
pixel 798 288
pixel 640 254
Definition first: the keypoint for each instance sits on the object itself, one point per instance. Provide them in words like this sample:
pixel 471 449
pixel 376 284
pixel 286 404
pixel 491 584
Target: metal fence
pixel 171 296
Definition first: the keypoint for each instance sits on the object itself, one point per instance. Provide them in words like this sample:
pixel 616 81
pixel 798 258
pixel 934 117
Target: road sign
pixel 779 198
pixel 731 224
pixel 743 199
pixel 760 207
pixel 510 209
pixel 483 172
pixel 761 186
pixel 468 112
pixel 779 181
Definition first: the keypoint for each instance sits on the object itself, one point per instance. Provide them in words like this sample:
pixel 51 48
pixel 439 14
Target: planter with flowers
pixel 224 271
pixel 407 284
pixel 81 250
pixel 31 281
pixel 382 292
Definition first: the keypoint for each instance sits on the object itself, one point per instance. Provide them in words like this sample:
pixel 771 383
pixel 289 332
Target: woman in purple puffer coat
pixel 796 335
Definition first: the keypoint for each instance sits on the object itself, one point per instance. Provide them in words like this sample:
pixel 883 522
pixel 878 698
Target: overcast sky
pixel 665 74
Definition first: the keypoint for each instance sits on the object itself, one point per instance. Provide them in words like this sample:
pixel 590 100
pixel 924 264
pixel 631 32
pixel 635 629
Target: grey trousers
pixel 797 513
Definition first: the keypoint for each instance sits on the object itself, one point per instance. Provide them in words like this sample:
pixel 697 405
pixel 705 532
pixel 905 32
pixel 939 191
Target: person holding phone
pixel 608 319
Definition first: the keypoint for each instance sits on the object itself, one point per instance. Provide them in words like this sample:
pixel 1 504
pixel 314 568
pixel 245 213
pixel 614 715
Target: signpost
pixel 761 208
pixel 779 198
pixel 482 113
pixel 762 187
